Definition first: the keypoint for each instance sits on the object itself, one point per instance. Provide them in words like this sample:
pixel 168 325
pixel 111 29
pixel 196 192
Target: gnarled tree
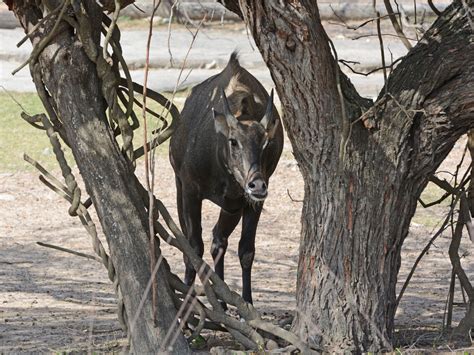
pixel 71 77
pixel 362 176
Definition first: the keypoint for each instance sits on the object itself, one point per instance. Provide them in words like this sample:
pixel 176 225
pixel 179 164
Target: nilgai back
pixel 225 148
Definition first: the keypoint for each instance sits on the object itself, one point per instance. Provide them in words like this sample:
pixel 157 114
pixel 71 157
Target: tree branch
pixel 396 25
pixel 232 5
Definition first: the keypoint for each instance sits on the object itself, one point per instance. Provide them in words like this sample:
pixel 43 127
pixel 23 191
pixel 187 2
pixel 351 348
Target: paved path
pixel 210 52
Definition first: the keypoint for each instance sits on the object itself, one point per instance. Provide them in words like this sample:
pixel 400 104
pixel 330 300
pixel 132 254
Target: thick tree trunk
pixel 71 80
pixel 358 203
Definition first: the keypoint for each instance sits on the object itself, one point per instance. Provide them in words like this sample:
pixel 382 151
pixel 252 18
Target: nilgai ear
pixel 220 123
pixel 224 121
pixel 272 130
pixel 268 120
pixel 231 120
pixel 245 105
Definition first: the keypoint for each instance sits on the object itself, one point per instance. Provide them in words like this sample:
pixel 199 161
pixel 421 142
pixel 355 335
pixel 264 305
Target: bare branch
pixel 396 25
pixel 149 184
pixel 110 30
pixel 435 10
pixel 70 251
pixel 383 34
pixel 443 227
pixel 382 51
pixel 44 42
pixel 355 28
pixel 347 62
pixel 454 256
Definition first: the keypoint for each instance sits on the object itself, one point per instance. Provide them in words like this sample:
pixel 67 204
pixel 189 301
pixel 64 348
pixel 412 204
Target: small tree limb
pixel 70 251
pixel 396 25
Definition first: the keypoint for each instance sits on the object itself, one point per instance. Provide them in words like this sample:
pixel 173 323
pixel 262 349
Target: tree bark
pixel 359 202
pixel 72 81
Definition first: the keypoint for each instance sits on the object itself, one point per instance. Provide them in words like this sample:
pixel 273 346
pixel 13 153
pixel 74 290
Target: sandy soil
pixel 51 301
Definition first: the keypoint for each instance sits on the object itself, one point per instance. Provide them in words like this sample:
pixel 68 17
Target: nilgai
pixel 225 149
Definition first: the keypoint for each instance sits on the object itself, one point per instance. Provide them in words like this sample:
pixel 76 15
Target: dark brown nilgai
pixel 225 149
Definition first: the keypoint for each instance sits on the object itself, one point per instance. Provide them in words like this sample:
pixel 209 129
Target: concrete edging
pixel 196 11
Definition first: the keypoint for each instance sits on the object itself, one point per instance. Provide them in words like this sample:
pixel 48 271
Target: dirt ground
pixel 51 301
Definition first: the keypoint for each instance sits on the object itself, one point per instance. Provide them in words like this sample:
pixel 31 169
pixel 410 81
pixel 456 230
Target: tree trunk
pixel 360 192
pixel 71 80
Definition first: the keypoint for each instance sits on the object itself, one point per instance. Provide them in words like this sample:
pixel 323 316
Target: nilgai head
pixel 244 145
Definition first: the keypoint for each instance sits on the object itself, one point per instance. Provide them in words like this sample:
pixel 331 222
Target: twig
pixel 346 63
pixel 149 185
pixel 37 26
pixel 382 52
pixel 33 120
pixel 436 202
pixel 449 311
pixel 355 38
pixel 110 30
pixel 169 106
pixel 169 32
pixel 47 101
pixel 291 198
pixel 454 257
pixel 399 13
pixel 435 10
pixel 396 25
pixel 424 251
pixel 414 10
pixel 13 98
pixel 417 27
pixel 470 189
pixel 70 251
pixel 44 42
pixel 118 53
pixel 355 28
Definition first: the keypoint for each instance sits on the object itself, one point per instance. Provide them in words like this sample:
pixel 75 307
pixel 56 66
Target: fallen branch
pixel 70 251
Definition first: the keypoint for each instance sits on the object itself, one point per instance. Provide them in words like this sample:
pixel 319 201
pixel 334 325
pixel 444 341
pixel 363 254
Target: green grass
pixel 433 216
pixel 18 137
pixel 433 192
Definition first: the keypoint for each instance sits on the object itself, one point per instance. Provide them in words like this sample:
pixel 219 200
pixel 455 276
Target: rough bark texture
pixel 75 89
pixel 357 210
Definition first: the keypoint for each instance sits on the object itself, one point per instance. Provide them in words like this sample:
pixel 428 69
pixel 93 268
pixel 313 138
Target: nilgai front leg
pixel 251 215
pixel 220 234
pixel 190 214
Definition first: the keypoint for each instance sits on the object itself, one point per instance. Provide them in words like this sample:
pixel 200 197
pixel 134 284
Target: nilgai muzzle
pixel 225 149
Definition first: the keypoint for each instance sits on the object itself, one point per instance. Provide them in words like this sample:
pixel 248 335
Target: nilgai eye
pixel 233 142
